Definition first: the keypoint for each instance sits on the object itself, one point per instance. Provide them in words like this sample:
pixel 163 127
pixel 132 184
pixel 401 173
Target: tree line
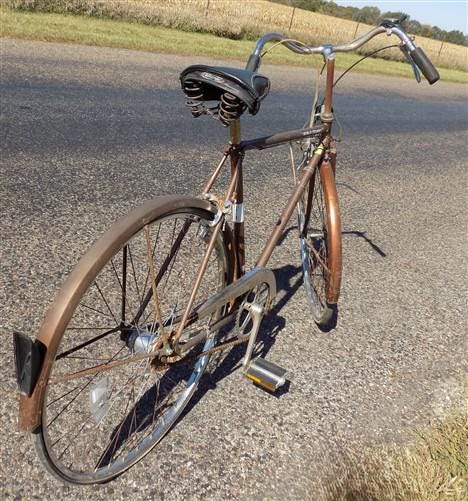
pixel 373 15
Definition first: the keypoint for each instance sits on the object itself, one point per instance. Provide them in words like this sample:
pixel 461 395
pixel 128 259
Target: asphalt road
pixel 87 134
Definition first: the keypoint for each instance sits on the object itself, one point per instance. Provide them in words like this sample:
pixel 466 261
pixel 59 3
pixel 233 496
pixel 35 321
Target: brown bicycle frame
pixel 236 153
pixel 323 161
pixel 235 192
pixel 323 155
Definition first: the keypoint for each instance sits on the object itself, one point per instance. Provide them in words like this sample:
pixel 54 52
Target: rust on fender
pixel 59 314
pixel 334 231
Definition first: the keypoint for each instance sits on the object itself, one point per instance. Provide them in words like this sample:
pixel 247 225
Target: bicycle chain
pixel 220 347
pixel 156 366
pixel 216 349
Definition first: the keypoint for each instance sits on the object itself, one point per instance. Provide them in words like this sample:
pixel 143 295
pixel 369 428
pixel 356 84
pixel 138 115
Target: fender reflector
pixel 28 362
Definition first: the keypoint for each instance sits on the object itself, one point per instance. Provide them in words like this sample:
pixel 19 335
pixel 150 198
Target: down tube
pixel 292 202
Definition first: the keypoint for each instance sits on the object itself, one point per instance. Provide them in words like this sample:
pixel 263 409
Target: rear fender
pixel 43 350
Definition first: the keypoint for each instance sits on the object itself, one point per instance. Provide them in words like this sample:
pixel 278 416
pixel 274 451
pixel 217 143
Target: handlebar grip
pixel 253 63
pixel 425 65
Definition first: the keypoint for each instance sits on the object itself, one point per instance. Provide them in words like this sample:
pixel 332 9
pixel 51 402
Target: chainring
pixel 258 295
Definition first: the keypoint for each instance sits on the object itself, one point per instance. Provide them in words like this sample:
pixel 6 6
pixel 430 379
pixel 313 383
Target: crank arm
pixel 257 312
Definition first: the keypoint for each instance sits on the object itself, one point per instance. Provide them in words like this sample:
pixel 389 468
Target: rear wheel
pixel 96 426
pixel 320 245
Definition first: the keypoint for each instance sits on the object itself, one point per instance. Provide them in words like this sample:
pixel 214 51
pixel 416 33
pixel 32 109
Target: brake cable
pixel 362 59
pixel 350 68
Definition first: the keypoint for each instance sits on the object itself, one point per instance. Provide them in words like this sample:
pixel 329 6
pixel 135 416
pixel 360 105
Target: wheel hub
pixel 140 341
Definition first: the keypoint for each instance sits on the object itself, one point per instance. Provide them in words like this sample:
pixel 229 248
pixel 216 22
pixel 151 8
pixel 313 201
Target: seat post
pixel 234 132
pixel 238 196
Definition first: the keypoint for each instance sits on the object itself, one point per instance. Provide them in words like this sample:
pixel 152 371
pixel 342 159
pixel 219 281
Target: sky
pixel 446 14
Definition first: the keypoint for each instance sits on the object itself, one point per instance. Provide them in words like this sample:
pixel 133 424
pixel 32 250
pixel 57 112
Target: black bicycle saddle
pixel 235 90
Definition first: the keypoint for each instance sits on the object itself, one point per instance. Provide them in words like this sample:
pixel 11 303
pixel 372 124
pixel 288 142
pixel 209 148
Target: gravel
pixel 89 133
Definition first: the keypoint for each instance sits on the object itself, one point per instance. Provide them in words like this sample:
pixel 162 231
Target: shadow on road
pixel 362 234
pixel 288 279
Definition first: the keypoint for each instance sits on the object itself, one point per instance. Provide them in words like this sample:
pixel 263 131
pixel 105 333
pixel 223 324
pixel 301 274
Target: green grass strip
pixel 114 33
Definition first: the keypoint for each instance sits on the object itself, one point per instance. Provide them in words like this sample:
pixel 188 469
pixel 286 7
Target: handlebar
pixel 416 54
pixel 424 64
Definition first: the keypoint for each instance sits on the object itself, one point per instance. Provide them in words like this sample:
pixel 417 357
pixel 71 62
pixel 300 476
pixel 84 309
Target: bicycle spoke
pixel 86 421
pixel 105 301
pixel 174 250
pixel 134 274
pixel 122 283
pixel 89 328
pixel 86 343
pixel 95 310
pixel 76 396
pixel 320 259
pixel 156 304
pixel 108 399
pixel 133 377
pixel 152 255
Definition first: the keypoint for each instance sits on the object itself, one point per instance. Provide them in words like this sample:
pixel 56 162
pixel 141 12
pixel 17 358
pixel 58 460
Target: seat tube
pixel 238 196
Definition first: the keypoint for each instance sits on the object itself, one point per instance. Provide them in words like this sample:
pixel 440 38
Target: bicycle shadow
pixel 356 233
pixel 362 234
pixel 288 280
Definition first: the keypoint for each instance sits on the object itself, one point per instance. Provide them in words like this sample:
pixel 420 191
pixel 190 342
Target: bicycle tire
pixel 320 245
pixel 93 431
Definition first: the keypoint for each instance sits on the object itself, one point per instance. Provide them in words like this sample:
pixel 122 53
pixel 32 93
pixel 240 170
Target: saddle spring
pixel 230 108
pixel 194 100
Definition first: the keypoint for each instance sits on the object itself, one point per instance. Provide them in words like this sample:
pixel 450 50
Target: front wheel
pixel 95 425
pixel 320 244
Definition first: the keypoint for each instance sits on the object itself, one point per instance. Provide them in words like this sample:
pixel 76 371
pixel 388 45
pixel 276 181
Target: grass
pixel 240 20
pixel 432 468
pixel 116 33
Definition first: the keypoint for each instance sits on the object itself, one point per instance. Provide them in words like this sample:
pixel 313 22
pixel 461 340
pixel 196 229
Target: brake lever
pixel 417 73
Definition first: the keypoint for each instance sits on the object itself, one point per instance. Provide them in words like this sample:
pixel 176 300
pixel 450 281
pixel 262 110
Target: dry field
pixel 433 467
pixel 247 18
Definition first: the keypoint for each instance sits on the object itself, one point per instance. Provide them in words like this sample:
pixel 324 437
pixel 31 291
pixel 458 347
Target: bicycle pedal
pixel 266 374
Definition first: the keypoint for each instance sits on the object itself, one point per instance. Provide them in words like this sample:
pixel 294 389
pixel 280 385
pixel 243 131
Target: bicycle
pixel 122 348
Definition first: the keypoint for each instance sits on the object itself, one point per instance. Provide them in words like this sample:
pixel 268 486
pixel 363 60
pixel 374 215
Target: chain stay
pixel 106 367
